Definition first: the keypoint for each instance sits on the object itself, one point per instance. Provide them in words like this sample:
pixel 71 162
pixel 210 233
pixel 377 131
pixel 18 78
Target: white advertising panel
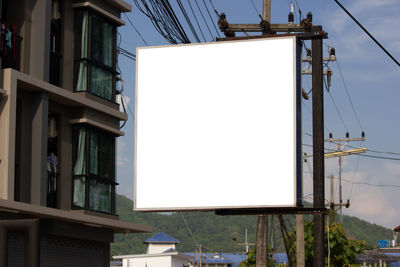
pixel 215 125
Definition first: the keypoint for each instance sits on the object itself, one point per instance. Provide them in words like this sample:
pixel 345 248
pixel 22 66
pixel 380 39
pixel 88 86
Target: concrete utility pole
pixel 303 31
pixel 261 244
pixel 300 259
pixel 340 154
pixel 266 11
pixel 318 151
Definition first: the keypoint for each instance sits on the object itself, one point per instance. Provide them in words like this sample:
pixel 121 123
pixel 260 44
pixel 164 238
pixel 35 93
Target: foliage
pixel 219 233
pixel 251 258
pixel 343 251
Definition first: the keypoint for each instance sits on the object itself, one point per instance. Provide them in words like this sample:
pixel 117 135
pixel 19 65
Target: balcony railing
pixel 10 47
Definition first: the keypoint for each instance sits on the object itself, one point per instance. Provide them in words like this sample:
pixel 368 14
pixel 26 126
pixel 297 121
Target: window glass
pixel 79 191
pixel 93 166
pixel 101 83
pixel 101 155
pixel 99 196
pixel 108 44
pixel 96 38
pixel 94 55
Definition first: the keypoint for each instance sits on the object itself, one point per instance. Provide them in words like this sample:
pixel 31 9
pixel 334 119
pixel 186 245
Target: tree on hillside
pixel 342 251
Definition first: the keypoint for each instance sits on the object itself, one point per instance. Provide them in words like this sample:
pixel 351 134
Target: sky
pixel 363 99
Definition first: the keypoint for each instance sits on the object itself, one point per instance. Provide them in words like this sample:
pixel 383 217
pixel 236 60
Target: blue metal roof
pixel 162 238
pixel 234 258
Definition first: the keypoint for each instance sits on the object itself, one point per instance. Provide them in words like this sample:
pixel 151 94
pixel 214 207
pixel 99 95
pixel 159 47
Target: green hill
pixel 219 233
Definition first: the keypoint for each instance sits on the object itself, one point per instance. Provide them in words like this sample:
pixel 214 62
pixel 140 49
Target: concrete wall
pixel 162 261
pixel 159 248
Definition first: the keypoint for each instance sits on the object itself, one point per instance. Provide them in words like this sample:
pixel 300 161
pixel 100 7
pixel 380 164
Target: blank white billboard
pixel 215 125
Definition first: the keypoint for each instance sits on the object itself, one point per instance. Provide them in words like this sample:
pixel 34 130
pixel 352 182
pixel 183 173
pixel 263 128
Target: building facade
pixel 161 252
pixel 58 127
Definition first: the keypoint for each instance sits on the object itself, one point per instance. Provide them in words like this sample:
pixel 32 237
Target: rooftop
pixel 161 238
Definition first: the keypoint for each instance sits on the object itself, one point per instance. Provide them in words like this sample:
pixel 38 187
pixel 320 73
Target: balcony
pixel 10 47
pixel 55 63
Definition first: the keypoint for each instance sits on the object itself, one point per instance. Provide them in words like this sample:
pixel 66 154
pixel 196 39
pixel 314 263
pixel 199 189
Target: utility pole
pixel 266 11
pixel 261 243
pixel 318 152
pixel 339 153
pixel 246 243
pixel 305 30
pixel 200 256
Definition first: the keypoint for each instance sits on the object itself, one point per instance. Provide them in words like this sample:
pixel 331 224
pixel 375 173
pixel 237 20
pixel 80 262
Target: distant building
pixel 161 252
pixel 59 122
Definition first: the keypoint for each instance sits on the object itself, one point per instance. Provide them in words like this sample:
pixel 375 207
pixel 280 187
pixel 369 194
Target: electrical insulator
pixel 329 76
pixel 347 135
pixel 291 14
pixel 333 52
pixel 291 17
pixel 332 55
pixel 347 203
pixel 362 134
pixel 309 16
pixel 330 135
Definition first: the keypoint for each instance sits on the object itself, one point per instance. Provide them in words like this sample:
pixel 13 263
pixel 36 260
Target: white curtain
pixel 80 163
pixel 80 169
pixel 83 72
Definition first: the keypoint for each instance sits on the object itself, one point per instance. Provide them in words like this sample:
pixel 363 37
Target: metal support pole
pixel 318 151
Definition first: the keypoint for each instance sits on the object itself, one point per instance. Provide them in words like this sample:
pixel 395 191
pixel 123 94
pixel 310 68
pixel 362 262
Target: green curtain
pixel 83 69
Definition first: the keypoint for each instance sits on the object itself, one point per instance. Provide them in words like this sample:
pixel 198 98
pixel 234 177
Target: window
pixel 93 169
pixel 94 55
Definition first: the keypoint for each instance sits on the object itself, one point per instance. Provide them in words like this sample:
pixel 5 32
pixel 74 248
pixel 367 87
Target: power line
pixel 365 30
pixel 137 31
pixel 201 13
pixel 198 24
pixel 190 231
pixel 371 184
pixel 209 14
pixel 189 22
pixel 348 95
pixel 255 9
pixel 336 107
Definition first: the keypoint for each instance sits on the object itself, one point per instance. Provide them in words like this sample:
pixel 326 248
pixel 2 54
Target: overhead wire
pixel 348 95
pixel 212 22
pixel 198 24
pixel 255 9
pixel 164 19
pixel 336 107
pixel 189 22
pixel 366 31
pixel 215 10
pixel 204 19
pixel 137 31
pixel 190 231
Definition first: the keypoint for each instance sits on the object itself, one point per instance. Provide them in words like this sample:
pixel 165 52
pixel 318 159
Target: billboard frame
pixel 255 209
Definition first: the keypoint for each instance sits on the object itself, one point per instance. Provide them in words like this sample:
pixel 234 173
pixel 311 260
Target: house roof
pixel 161 238
pixel 397 229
